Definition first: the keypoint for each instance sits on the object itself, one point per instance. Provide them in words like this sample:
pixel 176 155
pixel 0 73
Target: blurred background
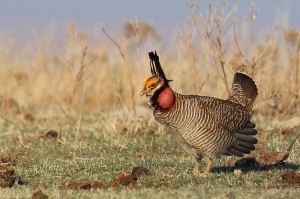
pixel 27 19
pixel 75 56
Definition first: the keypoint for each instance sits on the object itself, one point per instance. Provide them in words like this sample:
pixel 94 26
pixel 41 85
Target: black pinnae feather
pixel 155 66
pixel 151 56
pixel 152 68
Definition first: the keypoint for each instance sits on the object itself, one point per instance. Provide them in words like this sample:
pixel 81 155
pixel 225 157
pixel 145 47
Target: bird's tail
pixel 244 90
pixel 245 140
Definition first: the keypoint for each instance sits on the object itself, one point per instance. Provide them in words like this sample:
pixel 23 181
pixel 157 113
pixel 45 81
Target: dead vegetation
pixel 140 31
pixel 49 134
pixel 103 78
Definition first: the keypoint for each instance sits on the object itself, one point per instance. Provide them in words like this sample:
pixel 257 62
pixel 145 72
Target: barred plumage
pixel 205 126
pixel 203 122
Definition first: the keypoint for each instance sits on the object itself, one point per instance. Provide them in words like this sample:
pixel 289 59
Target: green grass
pixel 103 150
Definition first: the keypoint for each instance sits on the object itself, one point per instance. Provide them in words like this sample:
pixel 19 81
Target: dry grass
pixel 129 157
pixel 35 78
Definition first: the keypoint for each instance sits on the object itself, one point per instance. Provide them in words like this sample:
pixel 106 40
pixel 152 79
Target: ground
pixel 107 150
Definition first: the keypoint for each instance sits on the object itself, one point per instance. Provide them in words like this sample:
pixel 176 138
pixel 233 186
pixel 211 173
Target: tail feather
pixel 245 141
pixel 235 152
pixel 246 138
pixel 248 131
pixel 244 90
pixel 247 145
pixel 241 149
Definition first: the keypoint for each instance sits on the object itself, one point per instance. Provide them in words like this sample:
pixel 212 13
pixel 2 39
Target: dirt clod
pixel 78 185
pixel 262 158
pixel 97 185
pixel 140 171
pixel 269 158
pixel 290 177
pixel 124 179
pixel 38 194
pixel 6 161
pixel 83 185
pixel 29 117
pixel 7 177
pixel 49 134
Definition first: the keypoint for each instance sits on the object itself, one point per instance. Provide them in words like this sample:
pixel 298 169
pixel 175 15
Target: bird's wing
pixel 215 126
pixel 215 138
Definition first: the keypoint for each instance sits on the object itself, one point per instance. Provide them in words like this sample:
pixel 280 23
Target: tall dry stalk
pixel 79 80
pixel 292 40
pixel 258 55
pixel 212 32
pixel 128 72
pixel 213 38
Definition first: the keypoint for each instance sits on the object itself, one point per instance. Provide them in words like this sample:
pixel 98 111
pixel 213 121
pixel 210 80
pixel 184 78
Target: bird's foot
pixel 196 169
pixel 196 173
pixel 203 175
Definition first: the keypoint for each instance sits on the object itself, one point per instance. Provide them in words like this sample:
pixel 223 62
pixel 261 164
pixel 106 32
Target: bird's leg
pixel 208 167
pixel 197 165
pixel 196 168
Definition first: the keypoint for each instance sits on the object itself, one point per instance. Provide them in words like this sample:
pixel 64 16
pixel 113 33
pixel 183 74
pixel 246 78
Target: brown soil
pixel 122 179
pixel 49 134
pixel 7 174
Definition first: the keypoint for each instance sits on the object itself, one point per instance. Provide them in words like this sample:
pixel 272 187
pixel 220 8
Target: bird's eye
pixel 153 85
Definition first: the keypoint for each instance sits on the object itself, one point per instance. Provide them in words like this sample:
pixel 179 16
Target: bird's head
pixel 152 85
pixel 156 87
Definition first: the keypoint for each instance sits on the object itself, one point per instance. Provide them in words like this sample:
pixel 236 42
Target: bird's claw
pixel 203 175
pixel 200 175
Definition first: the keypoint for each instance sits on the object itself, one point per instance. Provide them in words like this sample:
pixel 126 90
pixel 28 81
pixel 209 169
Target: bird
pixel 204 126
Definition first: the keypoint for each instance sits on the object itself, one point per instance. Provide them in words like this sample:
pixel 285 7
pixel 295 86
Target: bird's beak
pixel 143 92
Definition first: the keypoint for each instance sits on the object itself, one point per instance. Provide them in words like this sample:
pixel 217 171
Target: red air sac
pixel 166 98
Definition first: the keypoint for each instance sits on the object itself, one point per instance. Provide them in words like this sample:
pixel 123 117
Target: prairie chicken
pixel 204 126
